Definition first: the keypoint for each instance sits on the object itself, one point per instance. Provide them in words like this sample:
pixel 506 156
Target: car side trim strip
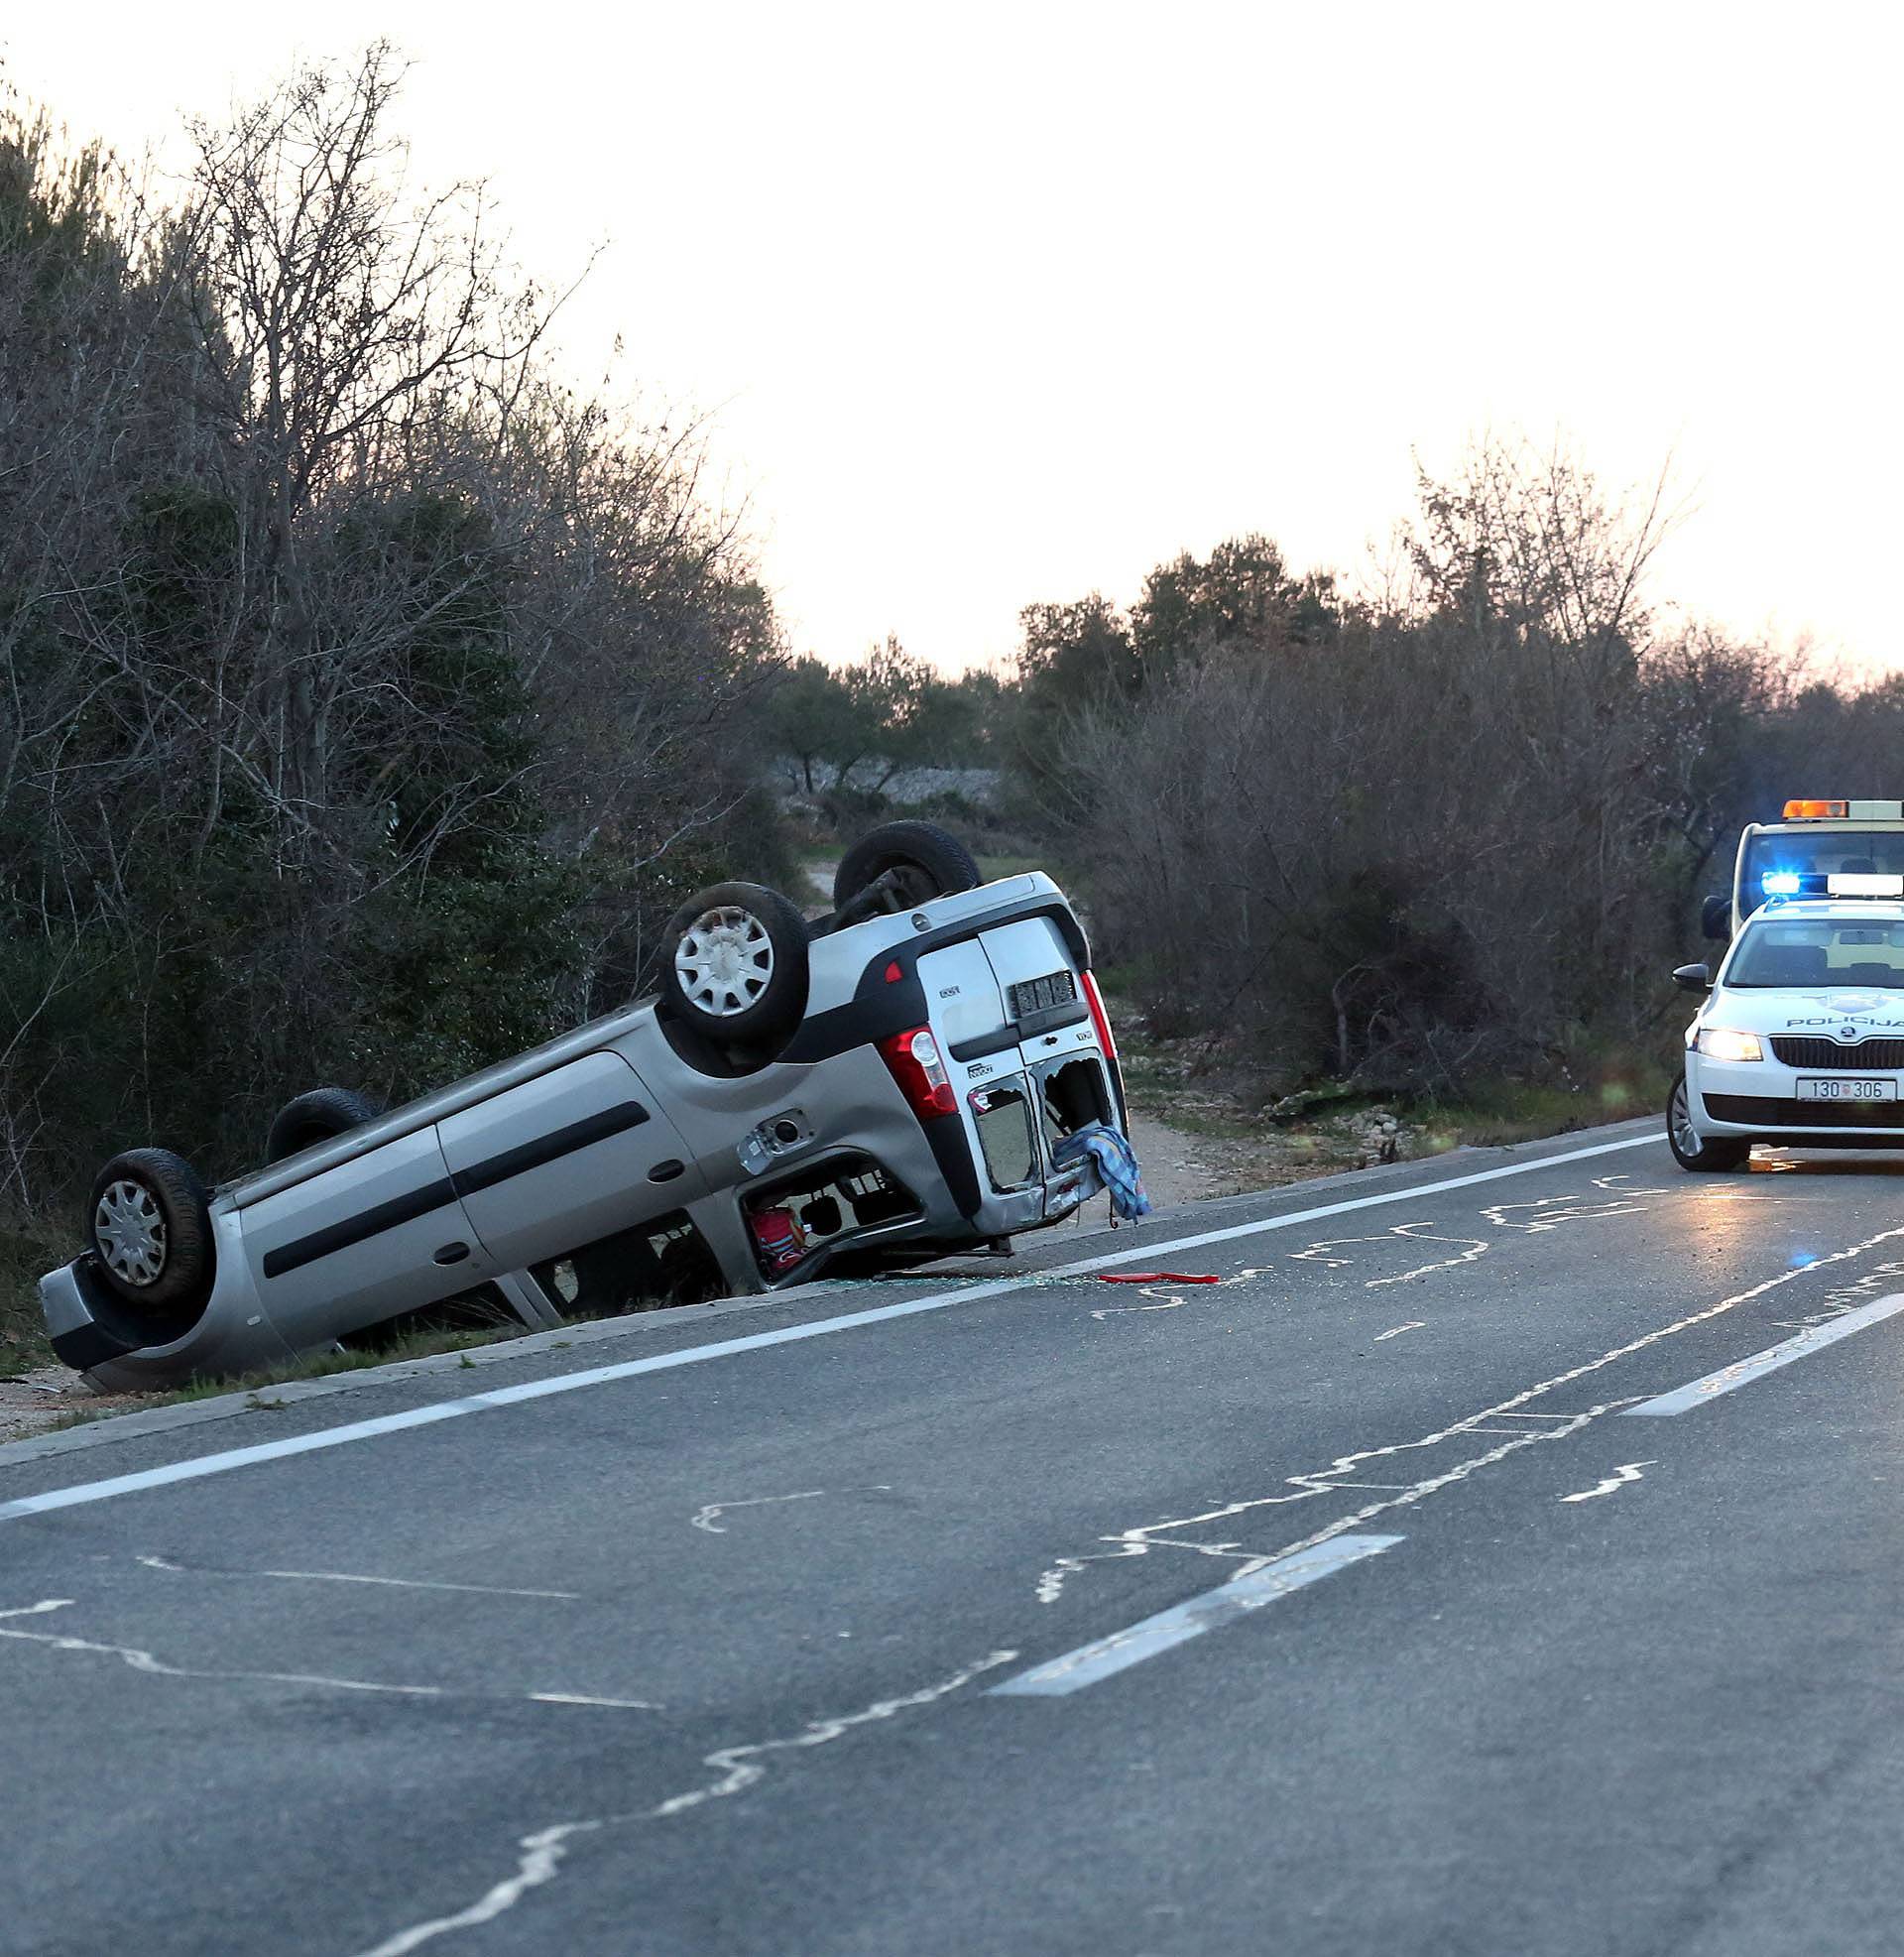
pixel 446 1189
pixel 549 1148
pixel 368 1223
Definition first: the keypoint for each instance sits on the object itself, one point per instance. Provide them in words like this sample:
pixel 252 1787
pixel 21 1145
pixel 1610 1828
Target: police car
pixel 1801 1039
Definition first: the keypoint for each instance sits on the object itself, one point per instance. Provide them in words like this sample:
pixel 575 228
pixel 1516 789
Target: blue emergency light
pixel 1781 883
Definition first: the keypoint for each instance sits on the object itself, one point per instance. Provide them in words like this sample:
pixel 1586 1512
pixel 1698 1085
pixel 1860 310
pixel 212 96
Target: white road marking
pixel 150 1663
pixel 1104 1656
pixel 1617 1478
pixel 542 1853
pixel 289 1445
pixel 1729 1379
pixel 1408 1232
pixel 1175 1532
pixel 1395 1331
pixel 338 1576
pixel 706 1517
pixel 1609 1201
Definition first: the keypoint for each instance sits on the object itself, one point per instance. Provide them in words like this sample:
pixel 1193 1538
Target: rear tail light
pixel 913 1061
pixel 1099 1018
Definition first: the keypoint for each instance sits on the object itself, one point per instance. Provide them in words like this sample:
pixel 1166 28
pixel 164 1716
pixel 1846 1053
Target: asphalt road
pixel 747 1631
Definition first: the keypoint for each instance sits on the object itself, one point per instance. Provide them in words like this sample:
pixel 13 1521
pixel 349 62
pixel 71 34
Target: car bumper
pixel 1760 1099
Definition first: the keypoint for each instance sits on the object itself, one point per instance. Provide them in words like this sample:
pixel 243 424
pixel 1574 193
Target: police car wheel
pixel 1689 1151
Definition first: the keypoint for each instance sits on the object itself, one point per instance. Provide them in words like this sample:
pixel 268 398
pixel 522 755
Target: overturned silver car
pixel 879 1086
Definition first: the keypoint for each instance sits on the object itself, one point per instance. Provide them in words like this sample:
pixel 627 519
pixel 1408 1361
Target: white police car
pixel 1801 1040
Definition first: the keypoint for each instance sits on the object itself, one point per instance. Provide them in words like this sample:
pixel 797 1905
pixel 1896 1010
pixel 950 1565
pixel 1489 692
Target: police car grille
pixel 1828 1057
pixel 1762 1112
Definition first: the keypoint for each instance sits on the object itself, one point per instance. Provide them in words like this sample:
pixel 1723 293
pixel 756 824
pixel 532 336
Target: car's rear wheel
pixel 149 1229
pixel 316 1117
pixel 734 965
pixel 1690 1149
pixel 924 860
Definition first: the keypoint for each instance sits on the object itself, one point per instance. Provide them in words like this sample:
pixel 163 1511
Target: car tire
pixel 1714 1152
pixel 149 1229
pixel 320 1115
pixel 733 965
pixel 931 863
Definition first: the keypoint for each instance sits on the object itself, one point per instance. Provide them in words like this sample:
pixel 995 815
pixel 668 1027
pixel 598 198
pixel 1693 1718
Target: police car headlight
pixel 1717 1043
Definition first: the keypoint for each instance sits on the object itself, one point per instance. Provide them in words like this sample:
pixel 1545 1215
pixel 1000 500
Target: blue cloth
pixel 1115 1161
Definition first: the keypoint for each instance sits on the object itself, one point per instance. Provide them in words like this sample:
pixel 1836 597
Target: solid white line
pixel 1102 1657
pixel 662 1362
pixel 1682 1400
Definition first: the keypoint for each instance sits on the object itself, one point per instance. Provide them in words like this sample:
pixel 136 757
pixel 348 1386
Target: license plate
pixel 1040 995
pixel 1848 1090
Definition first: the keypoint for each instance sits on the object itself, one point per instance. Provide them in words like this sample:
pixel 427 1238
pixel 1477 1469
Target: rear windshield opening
pixel 1075 1095
pixel 799 1216
pixel 1002 1117
pixel 665 1262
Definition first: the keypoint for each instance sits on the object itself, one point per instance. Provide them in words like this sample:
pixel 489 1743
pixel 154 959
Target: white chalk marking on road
pixel 1412 1233
pixel 542 1853
pixel 662 1362
pixel 1395 1331
pixel 1617 1478
pixel 1172 1532
pixel 158 1668
pixel 1104 1656
pixel 706 1517
pixel 339 1576
pixel 1815 1338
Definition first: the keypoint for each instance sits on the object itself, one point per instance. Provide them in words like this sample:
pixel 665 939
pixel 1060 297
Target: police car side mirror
pixel 1694 978
pixel 1716 916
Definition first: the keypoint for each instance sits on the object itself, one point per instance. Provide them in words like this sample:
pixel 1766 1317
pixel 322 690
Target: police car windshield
pixel 1817 952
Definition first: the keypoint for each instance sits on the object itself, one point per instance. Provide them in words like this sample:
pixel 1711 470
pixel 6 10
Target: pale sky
pixel 999 304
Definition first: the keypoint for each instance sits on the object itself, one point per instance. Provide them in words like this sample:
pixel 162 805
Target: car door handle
pixel 666 1171
pixel 452 1254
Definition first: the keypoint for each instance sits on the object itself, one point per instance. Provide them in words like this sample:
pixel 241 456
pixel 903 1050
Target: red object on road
pixel 1155 1278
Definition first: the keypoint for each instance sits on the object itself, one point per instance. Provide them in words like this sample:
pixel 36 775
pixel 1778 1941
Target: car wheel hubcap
pixel 724 961
pixel 1684 1133
pixel 131 1233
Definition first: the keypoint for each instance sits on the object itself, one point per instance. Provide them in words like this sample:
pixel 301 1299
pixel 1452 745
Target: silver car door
pixel 574 1155
pixel 362 1242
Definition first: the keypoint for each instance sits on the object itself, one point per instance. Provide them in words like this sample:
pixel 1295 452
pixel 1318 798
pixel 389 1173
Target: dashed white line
pixel 1105 1656
pixel 1729 1379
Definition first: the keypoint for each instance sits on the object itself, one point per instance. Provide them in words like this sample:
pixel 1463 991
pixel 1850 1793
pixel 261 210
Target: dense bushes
pixel 1418 841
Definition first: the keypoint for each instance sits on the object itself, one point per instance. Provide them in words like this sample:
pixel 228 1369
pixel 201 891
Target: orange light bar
pixel 1816 811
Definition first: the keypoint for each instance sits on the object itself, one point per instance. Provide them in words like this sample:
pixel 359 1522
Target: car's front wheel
pixel 150 1230
pixel 1690 1149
